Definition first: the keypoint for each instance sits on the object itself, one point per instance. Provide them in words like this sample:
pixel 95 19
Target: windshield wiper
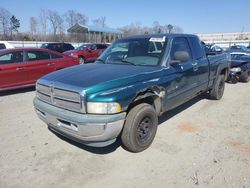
pixel 101 60
pixel 128 62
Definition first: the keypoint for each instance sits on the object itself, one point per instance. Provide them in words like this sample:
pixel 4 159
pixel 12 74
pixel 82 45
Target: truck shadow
pixel 169 114
pixel 111 148
pixel 17 91
pixel 97 150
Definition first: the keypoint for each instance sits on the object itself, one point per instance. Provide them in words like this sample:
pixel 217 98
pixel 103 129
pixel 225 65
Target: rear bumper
pixel 93 130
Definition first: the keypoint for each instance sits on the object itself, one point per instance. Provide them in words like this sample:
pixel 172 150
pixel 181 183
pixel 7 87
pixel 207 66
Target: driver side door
pixel 181 87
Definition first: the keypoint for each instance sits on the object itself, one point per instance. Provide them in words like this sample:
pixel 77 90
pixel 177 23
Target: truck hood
pixel 96 76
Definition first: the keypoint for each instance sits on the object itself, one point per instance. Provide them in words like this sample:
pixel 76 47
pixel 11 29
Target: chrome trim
pixel 61 95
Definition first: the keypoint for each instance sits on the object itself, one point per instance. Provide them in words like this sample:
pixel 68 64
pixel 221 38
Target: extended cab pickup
pixel 134 81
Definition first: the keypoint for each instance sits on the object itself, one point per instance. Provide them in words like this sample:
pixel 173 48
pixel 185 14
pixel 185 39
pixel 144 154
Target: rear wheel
pixel 245 76
pixel 217 91
pixel 140 128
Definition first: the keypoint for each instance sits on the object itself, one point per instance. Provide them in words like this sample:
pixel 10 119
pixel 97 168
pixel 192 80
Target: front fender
pixel 127 95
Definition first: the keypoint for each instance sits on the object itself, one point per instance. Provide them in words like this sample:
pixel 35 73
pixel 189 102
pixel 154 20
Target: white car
pixel 5 45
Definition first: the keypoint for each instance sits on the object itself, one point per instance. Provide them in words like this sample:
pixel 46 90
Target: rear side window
pixel 37 55
pixel 2 46
pixel 198 51
pixel 10 58
pixel 55 56
pixel 180 44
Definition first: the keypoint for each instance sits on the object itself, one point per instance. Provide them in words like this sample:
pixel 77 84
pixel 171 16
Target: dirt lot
pixel 200 144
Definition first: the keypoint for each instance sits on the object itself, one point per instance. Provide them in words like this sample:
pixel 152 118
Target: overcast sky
pixel 193 16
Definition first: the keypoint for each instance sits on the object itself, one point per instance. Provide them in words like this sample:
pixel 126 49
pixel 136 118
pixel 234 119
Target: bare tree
pixel 177 29
pixel 170 28
pixel 134 29
pixel 33 25
pixel 72 17
pixel 5 16
pixel 101 21
pixel 43 21
pixel 157 27
pixel 56 22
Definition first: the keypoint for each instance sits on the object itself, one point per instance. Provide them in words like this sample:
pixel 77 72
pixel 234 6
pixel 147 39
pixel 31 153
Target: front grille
pixel 60 97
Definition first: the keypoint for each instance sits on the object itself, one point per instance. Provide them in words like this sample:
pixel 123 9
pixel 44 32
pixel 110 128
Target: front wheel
pixel 81 60
pixel 217 91
pixel 140 128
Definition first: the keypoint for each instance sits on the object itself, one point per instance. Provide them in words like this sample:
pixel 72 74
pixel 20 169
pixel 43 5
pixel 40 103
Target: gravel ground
pixel 203 143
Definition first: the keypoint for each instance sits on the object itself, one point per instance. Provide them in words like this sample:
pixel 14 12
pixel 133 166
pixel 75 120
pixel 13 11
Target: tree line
pixel 50 25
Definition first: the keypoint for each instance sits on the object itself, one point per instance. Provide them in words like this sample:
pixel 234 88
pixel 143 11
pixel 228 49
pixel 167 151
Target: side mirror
pixel 180 56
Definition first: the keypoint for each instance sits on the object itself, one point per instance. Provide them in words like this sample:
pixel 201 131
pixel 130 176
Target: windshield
pixel 135 51
pixel 82 47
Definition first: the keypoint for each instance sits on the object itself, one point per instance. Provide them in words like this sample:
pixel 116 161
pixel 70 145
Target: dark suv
pixel 59 47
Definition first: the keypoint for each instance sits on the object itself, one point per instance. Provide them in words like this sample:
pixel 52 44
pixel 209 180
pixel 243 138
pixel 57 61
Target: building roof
pixel 77 28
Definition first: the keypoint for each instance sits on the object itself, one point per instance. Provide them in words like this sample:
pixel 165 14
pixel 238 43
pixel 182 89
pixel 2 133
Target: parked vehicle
pixel 213 49
pixel 87 52
pixel 127 88
pixel 238 48
pixel 21 67
pixel 58 46
pixel 240 67
pixel 5 45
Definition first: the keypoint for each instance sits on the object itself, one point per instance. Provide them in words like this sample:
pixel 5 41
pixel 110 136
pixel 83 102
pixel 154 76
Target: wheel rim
pixel 144 130
pixel 81 60
pixel 221 87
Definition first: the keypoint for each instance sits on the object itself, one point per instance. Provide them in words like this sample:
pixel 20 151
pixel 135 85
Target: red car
pixel 87 52
pixel 21 67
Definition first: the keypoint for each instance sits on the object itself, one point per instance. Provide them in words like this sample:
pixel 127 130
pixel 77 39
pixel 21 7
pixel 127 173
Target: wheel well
pixel 152 100
pixel 81 56
pixel 225 73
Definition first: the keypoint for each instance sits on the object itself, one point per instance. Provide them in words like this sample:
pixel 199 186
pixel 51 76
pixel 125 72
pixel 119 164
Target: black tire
pixel 140 128
pixel 82 60
pixel 217 91
pixel 245 76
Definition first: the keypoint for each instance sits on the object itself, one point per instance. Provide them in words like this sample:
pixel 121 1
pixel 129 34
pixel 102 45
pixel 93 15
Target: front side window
pixel 180 46
pixel 82 47
pixel 11 58
pixel 93 47
pixel 135 51
pixel 100 46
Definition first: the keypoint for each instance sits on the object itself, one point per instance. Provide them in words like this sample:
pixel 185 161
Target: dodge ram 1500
pixel 134 81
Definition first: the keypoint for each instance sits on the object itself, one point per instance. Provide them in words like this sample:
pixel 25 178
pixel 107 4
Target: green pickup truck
pixel 122 94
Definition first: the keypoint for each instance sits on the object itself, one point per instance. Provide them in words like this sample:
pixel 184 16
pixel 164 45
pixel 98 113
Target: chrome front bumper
pixel 93 130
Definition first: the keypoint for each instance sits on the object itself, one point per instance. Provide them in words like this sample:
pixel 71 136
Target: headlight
pixel 103 108
pixel 236 69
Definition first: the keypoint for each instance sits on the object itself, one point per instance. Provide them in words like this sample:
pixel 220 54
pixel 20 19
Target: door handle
pixel 20 68
pixel 195 66
pixel 51 64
